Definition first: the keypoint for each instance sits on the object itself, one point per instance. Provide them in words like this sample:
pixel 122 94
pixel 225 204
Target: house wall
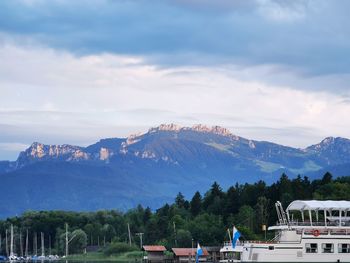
pixel 155 256
pixel 188 259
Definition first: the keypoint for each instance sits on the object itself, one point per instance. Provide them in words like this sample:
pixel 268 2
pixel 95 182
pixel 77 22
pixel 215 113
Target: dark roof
pixel 212 249
pixel 154 248
pixel 92 248
pixel 188 251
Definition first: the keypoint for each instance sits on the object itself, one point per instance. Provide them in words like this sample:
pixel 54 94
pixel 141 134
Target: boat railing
pixel 333 232
pixel 315 224
pixel 229 243
pixel 261 242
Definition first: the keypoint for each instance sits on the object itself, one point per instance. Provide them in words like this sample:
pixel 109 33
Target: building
pixel 155 253
pixel 92 248
pixel 189 254
pixel 214 253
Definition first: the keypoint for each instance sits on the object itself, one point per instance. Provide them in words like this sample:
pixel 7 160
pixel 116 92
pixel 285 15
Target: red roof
pixel 181 252
pixel 154 248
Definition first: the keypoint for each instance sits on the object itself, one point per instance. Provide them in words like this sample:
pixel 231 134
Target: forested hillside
pixel 202 218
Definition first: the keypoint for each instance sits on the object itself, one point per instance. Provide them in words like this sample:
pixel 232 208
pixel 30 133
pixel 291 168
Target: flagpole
pixel 192 251
pixel 229 235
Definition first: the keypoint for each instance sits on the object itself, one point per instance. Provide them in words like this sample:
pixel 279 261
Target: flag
pixel 236 236
pixel 199 252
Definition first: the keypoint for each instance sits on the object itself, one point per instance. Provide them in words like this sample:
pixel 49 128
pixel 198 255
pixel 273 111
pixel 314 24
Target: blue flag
pixel 236 236
pixel 199 252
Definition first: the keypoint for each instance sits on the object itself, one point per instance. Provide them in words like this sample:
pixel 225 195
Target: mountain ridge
pixel 157 165
pixel 106 148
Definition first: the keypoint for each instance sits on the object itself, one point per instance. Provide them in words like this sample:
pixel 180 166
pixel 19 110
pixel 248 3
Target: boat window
pixel 327 248
pixel 344 248
pixel 311 247
pixel 271 247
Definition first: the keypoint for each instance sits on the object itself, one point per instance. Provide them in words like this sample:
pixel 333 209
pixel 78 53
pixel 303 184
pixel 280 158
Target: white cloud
pixel 56 97
pixel 283 11
pixel 14 146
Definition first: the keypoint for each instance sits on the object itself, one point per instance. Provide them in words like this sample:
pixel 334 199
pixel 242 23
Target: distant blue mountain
pixel 151 168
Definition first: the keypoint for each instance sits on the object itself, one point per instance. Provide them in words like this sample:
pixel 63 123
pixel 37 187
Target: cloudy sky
pixel 77 71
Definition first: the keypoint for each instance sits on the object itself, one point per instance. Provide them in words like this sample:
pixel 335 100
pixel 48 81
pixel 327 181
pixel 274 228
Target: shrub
pixel 134 254
pixel 118 247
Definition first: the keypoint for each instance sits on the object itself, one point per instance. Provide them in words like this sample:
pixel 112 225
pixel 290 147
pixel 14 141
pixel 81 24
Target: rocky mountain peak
pixel 40 151
pixel 36 150
pixel 166 127
pixel 197 128
pixel 331 144
pixel 213 129
pixel 327 141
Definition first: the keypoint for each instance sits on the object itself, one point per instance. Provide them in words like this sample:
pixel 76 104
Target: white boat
pixel 321 234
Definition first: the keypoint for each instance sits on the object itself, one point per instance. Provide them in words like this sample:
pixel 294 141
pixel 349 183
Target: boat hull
pixel 295 252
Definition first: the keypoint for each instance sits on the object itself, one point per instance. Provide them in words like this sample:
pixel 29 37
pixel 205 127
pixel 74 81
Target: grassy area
pixel 99 256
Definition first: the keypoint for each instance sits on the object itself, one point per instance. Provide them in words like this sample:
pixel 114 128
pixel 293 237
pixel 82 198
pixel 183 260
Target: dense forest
pixel 202 218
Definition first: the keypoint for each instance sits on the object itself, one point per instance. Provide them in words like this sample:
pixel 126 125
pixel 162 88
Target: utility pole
pixel 129 235
pixel 175 234
pixel 192 253
pixel 140 235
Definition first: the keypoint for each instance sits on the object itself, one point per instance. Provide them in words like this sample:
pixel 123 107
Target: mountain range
pixel 151 168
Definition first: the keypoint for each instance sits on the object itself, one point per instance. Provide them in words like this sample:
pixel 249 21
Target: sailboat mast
pixel 7 244
pixel 42 245
pixel 49 244
pixel 27 244
pixel 35 244
pixel 21 242
pixel 11 246
pixel 66 240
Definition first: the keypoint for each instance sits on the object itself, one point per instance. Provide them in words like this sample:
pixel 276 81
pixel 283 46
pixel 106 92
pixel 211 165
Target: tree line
pixel 204 218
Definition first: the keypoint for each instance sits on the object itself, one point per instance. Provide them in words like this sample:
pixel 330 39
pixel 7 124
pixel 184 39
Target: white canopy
pixel 319 205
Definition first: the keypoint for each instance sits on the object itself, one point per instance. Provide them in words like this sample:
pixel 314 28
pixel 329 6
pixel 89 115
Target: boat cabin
pixel 318 213
pixel 307 231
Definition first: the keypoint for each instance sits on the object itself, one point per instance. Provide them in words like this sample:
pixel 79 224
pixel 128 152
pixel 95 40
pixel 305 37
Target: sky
pixel 78 71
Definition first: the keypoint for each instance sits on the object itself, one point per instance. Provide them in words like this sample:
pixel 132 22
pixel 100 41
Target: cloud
pixel 284 10
pixel 55 97
pixel 76 71
pixel 16 147
pixel 309 36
